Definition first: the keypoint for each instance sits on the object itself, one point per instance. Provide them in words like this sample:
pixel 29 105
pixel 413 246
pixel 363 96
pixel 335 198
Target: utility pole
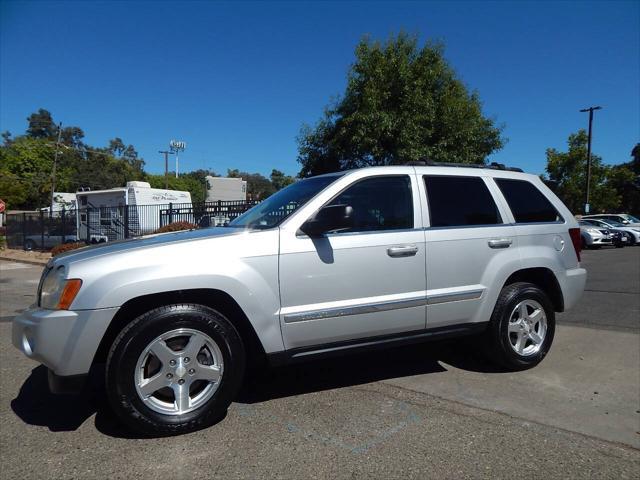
pixel 53 172
pixel 590 110
pixel 166 167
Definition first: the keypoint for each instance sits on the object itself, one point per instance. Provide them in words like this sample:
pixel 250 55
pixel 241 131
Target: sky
pixel 236 81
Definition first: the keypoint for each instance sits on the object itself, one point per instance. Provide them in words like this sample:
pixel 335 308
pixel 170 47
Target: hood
pixel 119 246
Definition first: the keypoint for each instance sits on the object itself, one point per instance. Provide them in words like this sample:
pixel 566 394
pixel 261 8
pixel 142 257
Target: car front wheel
pixel 521 328
pixel 174 369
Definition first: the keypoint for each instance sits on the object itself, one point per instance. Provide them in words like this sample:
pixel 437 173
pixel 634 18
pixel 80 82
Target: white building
pixel 226 189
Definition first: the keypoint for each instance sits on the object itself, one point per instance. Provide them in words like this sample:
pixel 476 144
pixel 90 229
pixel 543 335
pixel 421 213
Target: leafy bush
pixel 65 247
pixel 176 227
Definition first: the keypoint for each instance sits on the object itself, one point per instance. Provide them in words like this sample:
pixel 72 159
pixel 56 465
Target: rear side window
pixel 379 203
pixel 526 202
pixel 460 202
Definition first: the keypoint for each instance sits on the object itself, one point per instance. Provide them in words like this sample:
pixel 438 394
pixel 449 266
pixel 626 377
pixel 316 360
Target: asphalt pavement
pixel 428 411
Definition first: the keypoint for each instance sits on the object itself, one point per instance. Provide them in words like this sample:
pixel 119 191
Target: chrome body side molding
pixel 382 306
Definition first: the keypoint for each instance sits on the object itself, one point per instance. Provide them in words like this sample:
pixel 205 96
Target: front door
pixel 363 282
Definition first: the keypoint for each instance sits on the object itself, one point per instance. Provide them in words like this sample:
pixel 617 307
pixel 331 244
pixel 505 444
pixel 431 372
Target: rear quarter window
pixel 527 203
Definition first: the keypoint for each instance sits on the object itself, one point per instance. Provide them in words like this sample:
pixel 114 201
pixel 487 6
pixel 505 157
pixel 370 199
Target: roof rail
pixel 492 166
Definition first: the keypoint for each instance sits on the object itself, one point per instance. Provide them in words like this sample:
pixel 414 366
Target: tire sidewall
pixel 515 296
pixel 127 348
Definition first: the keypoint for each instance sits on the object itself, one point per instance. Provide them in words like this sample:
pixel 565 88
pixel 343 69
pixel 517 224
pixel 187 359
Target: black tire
pixel 30 245
pixel 497 344
pixel 134 338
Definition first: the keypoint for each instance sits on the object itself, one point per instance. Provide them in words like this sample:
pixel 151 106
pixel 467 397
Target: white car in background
pixel 594 237
pixel 632 233
pixel 623 218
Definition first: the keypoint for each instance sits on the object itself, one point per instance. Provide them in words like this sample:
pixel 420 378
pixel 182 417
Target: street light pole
pixel 590 110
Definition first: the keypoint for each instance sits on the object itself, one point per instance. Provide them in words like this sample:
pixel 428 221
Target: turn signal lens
pixel 71 289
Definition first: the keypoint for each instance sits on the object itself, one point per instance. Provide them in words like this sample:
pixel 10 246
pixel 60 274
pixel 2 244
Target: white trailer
pixel 105 215
pixel 226 189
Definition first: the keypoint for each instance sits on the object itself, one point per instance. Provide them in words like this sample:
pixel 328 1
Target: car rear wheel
pixel 30 245
pixel 521 328
pixel 175 369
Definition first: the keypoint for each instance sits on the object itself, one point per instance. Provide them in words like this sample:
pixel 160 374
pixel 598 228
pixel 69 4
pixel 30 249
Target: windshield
pixel 280 205
pixel 613 223
pixel 631 218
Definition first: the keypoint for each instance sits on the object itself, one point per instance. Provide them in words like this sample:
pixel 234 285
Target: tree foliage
pixel 625 179
pixel 402 103
pixel 259 187
pixel 26 166
pixel 26 163
pixel 567 172
pixel 279 180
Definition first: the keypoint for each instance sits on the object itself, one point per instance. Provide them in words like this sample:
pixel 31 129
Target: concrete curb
pixel 33 261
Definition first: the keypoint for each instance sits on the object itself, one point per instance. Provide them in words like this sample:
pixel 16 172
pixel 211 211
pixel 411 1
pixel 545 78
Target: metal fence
pixel 43 230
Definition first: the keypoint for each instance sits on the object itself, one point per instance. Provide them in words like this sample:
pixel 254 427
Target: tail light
pixel 576 239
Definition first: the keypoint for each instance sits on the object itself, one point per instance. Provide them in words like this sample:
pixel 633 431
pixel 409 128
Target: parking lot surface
pixel 428 411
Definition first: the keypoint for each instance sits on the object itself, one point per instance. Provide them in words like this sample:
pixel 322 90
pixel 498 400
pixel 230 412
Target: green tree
pixel 258 186
pixel 279 180
pixel 402 103
pixel 25 168
pixel 26 163
pixel 41 125
pixel 567 171
pixel 625 178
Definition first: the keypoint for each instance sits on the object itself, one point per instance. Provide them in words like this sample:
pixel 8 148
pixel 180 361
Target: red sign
pixel 1 206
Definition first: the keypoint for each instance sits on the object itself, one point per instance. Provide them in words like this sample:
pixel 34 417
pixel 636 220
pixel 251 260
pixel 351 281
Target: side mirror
pixel 329 218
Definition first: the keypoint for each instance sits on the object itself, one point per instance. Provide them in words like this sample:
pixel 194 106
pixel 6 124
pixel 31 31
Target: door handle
pixel 402 251
pixel 500 243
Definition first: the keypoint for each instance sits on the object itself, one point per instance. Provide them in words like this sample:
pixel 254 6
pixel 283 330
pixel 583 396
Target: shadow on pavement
pixel 361 368
pixel 35 405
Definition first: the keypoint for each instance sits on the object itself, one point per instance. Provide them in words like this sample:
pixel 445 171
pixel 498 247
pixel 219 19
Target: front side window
pixel 279 206
pixel 526 202
pixel 460 202
pixel 379 203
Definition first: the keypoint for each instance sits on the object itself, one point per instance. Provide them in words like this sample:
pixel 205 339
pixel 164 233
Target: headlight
pixel 593 230
pixel 57 293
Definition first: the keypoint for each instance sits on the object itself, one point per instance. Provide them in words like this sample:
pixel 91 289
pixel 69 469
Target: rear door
pixel 469 244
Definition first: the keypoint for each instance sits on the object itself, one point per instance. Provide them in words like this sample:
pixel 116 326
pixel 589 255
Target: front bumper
pixel 602 241
pixel 65 341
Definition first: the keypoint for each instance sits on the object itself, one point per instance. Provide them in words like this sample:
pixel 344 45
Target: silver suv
pixel 368 258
